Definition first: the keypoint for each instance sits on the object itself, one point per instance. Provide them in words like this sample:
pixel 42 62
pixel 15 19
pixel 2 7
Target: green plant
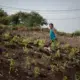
pixel 57 54
pixel 54 68
pixel 12 64
pixel 25 41
pixel 65 78
pixel 36 71
pixel 76 33
pixel 25 49
pixel 72 53
pixel 31 19
pixel 40 42
pixel 3 17
pixel 6 35
pixel 15 39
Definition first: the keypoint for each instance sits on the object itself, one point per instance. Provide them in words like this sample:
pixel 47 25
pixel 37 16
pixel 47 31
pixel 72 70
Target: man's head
pixel 51 25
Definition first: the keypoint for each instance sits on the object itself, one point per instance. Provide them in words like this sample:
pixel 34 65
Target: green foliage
pixel 15 39
pixel 3 17
pixel 76 33
pixel 4 20
pixel 65 78
pixel 57 54
pixel 54 68
pixel 36 71
pixel 2 13
pixel 25 41
pixel 40 42
pixel 12 64
pixel 35 19
pixel 6 35
pixel 32 19
pixel 72 53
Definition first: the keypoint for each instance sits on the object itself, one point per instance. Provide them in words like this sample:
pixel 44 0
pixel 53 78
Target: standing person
pixel 52 34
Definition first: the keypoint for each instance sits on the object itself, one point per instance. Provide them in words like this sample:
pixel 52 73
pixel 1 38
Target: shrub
pixel 76 33
pixel 36 71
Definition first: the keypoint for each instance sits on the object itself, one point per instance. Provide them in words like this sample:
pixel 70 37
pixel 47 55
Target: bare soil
pixel 35 57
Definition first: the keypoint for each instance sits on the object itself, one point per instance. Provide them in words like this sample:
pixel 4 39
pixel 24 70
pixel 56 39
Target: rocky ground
pixel 24 57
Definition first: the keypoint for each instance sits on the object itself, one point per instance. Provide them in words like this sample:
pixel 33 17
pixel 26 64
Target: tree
pixel 18 18
pixel 35 19
pixel 3 17
pixel 32 19
pixel 2 13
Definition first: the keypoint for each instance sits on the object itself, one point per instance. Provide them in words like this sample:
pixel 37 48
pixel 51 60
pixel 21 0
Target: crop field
pixel 27 55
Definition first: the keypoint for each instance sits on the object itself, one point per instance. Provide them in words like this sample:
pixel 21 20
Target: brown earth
pixel 73 41
pixel 37 57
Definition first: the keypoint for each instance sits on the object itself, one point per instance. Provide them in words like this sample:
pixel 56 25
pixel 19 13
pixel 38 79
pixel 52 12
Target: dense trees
pixel 31 19
pixel 3 17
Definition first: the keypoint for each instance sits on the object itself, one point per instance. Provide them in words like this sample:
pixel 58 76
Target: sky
pixel 64 14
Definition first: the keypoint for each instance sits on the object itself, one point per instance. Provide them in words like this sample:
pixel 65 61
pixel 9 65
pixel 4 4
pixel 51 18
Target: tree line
pixel 32 19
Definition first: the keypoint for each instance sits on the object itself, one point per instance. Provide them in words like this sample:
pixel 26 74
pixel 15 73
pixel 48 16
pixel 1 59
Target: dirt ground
pixel 31 62
pixel 73 41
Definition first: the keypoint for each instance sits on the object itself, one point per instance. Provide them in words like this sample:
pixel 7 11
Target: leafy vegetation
pixel 12 63
pixel 36 71
pixel 3 17
pixel 19 19
pixel 76 33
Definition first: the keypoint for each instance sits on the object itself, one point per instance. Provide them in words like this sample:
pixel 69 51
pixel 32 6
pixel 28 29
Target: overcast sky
pixel 53 10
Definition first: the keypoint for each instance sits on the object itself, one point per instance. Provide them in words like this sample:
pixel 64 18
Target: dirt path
pixel 73 41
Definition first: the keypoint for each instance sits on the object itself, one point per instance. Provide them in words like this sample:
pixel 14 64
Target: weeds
pixel 76 33
pixel 25 49
pixel 12 65
pixel 36 71
pixel 57 54
pixel 65 78
pixel 72 53
pixel 6 36
pixel 25 41
pixel 40 43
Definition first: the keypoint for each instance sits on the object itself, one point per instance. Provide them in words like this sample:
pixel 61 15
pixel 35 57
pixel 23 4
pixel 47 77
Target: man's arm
pixel 55 31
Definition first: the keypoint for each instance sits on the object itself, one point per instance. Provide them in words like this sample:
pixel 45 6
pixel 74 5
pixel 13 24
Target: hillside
pixel 24 57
